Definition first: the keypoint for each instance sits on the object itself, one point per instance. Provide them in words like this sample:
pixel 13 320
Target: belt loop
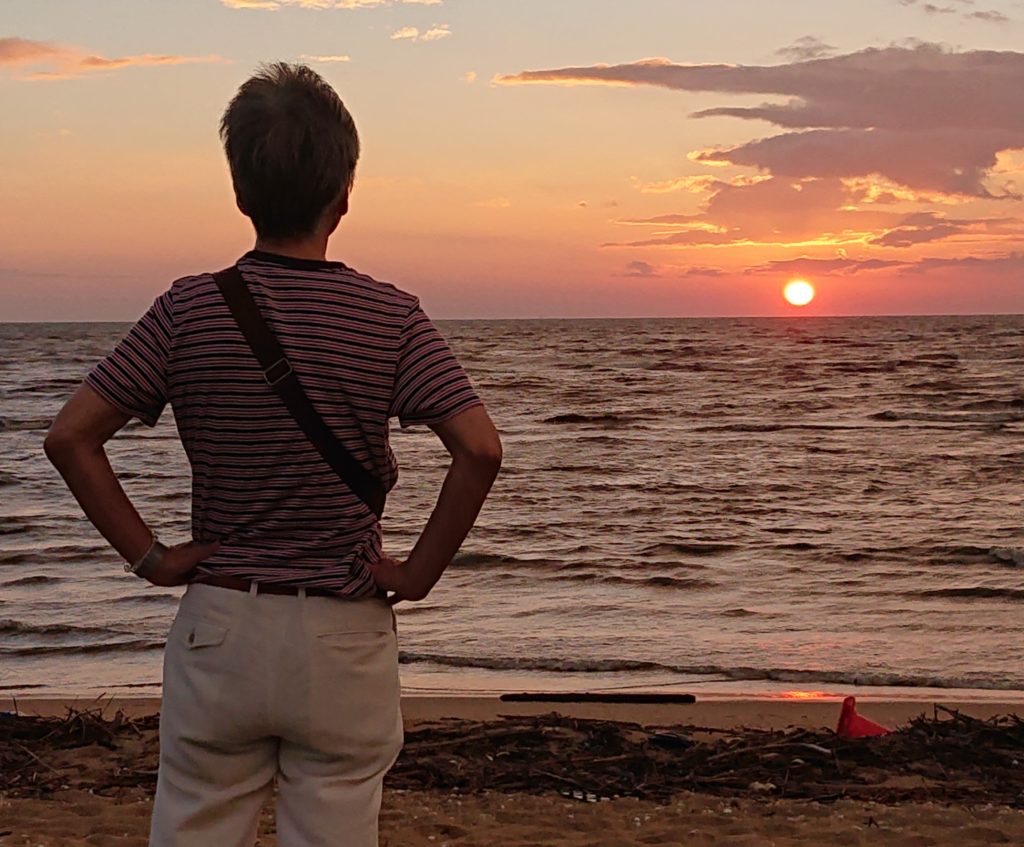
pixel 254 588
pixel 302 593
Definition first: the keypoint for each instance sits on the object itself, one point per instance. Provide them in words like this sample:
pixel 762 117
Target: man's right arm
pixel 475 448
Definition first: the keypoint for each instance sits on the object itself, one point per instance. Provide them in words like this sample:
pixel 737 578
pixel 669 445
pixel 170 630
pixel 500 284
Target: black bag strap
pixel 282 380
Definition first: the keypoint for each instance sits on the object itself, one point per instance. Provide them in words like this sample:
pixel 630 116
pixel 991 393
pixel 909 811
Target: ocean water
pixel 739 506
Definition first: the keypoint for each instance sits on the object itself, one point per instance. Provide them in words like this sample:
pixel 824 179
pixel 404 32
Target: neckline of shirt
pixel 292 261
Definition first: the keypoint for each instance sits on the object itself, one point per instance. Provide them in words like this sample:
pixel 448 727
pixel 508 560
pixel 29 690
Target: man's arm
pixel 74 445
pixel 475 448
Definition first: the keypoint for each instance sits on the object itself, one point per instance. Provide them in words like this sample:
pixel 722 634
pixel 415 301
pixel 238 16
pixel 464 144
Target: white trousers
pixel 265 687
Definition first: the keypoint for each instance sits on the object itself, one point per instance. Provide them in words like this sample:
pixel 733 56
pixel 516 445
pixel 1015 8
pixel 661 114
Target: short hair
pixel 292 147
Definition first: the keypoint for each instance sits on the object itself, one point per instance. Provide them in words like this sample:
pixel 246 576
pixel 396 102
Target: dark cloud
pixel 922 115
pixel 990 15
pixel 1005 263
pixel 807 47
pixel 815 268
pixel 641 269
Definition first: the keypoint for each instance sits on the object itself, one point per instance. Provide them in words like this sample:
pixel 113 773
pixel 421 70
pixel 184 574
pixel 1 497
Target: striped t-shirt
pixel 364 352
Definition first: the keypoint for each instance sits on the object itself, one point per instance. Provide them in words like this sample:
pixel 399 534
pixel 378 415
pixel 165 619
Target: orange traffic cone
pixel 852 725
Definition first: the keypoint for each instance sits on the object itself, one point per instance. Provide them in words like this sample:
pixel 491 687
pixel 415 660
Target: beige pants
pixel 264 687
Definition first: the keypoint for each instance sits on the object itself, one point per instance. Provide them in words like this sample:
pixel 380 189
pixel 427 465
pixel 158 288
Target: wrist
pixel 149 561
pixel 422 576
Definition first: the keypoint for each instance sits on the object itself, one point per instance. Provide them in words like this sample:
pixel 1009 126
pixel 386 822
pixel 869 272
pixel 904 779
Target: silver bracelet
pixel 153 557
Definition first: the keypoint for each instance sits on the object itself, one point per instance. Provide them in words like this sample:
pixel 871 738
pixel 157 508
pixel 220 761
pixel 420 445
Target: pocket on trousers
pixel 195 635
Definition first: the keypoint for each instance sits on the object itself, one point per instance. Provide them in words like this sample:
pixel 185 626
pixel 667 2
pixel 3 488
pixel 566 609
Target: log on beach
pixel 596 697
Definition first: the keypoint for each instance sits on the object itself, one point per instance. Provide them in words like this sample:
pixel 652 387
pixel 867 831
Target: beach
pixel 80 816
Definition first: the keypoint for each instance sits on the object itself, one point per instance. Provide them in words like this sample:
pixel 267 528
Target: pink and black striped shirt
pixel 363 350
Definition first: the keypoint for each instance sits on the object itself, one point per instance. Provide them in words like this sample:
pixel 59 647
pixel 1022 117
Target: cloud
pixel 276 5
pixel 990 15
pixel 326 59
pixel 771 211
pixel 948 160
pixel 646 270
pixel 882 111
pixel 411 33
pixel 57 61
pixel 869 154
pixel 816 268
pixel 998 263
pixel 808 47
pixel 468 77
pixel 641 269
pixel 22 51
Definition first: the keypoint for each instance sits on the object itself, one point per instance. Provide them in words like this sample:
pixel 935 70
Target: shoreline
pixel 456 787
pixel 720 713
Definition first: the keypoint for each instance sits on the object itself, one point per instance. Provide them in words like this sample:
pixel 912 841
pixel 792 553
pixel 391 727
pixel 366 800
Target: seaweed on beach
pixel 946 757
pixel 38 754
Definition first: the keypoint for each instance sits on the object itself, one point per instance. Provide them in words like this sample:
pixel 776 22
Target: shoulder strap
pixel 282 380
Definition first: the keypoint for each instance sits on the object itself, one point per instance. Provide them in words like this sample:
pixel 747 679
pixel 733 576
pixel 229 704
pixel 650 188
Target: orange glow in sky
pixel 522 159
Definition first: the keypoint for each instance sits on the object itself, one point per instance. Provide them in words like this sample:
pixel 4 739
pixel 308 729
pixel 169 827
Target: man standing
pixel 282 663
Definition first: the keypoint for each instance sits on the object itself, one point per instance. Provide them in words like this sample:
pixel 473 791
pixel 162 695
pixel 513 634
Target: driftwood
pixel 947 757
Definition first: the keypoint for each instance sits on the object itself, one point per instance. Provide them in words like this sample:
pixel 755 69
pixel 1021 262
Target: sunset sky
pixel 536 157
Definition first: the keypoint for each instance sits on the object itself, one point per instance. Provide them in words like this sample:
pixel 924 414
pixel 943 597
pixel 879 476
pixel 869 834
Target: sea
pixel 772 507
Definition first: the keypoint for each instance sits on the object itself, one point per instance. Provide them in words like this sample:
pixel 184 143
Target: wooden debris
pixel 948 757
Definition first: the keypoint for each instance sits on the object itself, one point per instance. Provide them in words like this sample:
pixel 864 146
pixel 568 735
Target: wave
pixel 145 598
pixel 950 417
pixel 778 427
pixel 943 386
pixel 16 558
pixel 689 548
pixel 1010 555
pixel 721 672
pixel 8 479
pixel 42 386
pixel 1017 403
pixel 983 555
pixel 24 424
pixel 606 420
pixel 13 627
pixel 490 560
pixel 78 649
pixel 32 580
pixel 979 592
pixel 683 583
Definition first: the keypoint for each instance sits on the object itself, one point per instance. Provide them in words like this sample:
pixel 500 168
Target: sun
pixel 798 292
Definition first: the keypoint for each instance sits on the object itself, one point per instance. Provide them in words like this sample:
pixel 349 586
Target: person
pixel 282 662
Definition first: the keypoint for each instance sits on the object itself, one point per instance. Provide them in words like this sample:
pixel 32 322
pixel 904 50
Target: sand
pixel 80 818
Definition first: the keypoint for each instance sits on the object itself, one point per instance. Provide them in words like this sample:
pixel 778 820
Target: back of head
pixel 292 147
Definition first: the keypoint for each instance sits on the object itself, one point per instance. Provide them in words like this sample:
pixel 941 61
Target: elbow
pixel 58 446
pixel 491 456
pixel 486 456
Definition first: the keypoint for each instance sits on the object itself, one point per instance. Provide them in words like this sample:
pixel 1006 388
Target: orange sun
pixel 798 292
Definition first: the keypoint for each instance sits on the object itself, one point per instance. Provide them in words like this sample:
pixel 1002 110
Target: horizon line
pixel 795 316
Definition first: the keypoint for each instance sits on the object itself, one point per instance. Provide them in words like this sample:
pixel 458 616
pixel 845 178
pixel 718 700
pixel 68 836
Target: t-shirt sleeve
pixel 430 384
pixel 133 378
